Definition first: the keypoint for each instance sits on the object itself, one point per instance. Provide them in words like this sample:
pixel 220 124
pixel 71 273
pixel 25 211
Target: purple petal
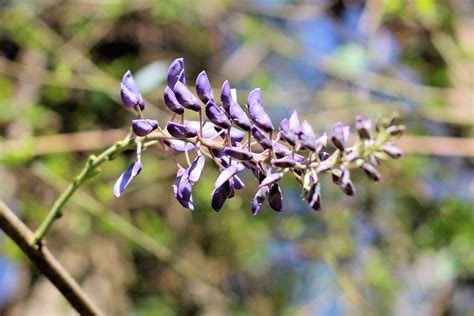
pixel 228 173
pixel 238 153
pixel 322 141
pixel 144 127
pixel 171 101
pixel 286 133
pixel 392 151
pixel 175 70
pixel 340 135
pixel 261 138
pixel 185 97
pixel 216 115
pixel 181 172
pixel 220 195
pixel 346 183
pixel 179 145
pixel 275 198
pixel 129 92
pixel 323 155
pixel 255 96
pixel 283 162
pixel 258 199
pixel 238 183
pixel 260 117
pixel 239 117
pixel 281 150
pixel 180 131
pixel 126 177
pixel 184 193
pixel 195 170
pixel 226 96
pixel 271 179
pixel 371 172
pixel 307 136
pixel 294 124
pixel 363 127
pixel 203 88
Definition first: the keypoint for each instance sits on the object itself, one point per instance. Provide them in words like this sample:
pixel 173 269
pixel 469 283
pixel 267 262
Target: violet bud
pixel 281 150
pixel 238 183
pixel 275 198
pixel 392 151
pixel 322 142
pixel 340 135
pixel 294 124
pixel 283 162
pixel 126 177
pixel 176 72
pixel 203 88
pixel 236 135
pixel 307 136
pixel 129 92
pixel 371 172
pixel 228 173
pixel 195 170
pixel 144 127
pixel 336 176
pixel 255 96
pixel 271 179
pixel 261 138
pixel 323 155
pixel 239 117
pixel 220 195
pixel 285 132
pixel 226 96
pixel 185 97
pixel 171 102
pixel 179 145
pixel 258 199
pixel 260 117
pixel 184 193
pixel 346 183
pixel 313 197
pixel 216 115
pixel 180 131
pixel 238 153
pixel 363 127
pixel 181 172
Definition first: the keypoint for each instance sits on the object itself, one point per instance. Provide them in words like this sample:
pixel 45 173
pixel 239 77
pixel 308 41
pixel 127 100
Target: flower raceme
pixel 240 138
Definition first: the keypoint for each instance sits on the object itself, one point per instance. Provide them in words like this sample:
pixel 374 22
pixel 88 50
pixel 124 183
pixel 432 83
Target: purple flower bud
pixel 220 195
pixel 176 72
pixel 313 197
pixel 336 176
pixel 255 96
pixel 261 138
pixel 259 198
pixel 281 150
pixel 392 151
pixel 340 135
pixel 195 170
pixel 346 183
pixel 226 96
pixel 185 97
pixel 203 88
pixel 171 101
pixel 307 136
pixel 239 117
pixel 371 172
pixel 238 183
pixel 180 131
pixel 283 162
pixel 126 177
pixel 129 92
pixel 216 115
pixel 322 142
pixel 181 172
pixel 323 155
pixel 363 127
pixel 260 117
pixel 286 133
pixel 228 173
pixel 275 198
pixel 179 145
pixel 184 193
pixel 271 179
pixel 144 127
pixel 238 153
pixel 294 124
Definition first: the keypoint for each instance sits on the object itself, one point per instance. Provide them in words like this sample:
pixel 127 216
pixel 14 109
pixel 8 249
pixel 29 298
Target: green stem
pixel 89 170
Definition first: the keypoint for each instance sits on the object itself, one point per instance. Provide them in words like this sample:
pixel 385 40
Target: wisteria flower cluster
pixel 240 138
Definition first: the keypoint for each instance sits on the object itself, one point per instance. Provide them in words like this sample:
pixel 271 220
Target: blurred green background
pixel 401 247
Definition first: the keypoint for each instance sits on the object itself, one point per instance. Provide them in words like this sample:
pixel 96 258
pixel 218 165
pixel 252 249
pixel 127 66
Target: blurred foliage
pixel 401 247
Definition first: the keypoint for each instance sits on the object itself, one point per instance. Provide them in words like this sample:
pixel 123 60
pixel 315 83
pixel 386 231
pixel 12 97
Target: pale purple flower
pixel 371 172
pixel 307 137
pixel 261 138
pixel 238 153
pixel 239 117
pixel 195 170
pixel 220 195
pixel 179 145
pixel 259 198
pixel 363 127
pixel 176 72
pixel 283 162
pixel 129 92
pixel 271 179
pixel 216 115
pixel 171 102
pixel 185 97
pixel 180 131
pixel 392 151
pixel 340 135
pixel 226 96
pixel 346 183
pixel 228 173
pixel 204 88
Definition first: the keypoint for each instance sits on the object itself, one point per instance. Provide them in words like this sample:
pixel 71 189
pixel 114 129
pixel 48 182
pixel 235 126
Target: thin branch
pixel 46 263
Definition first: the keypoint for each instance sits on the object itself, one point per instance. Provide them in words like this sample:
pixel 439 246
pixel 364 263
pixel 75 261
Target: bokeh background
pixel 401 247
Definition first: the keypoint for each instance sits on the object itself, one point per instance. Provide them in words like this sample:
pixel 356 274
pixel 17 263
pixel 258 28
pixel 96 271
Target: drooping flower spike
pixel 238 141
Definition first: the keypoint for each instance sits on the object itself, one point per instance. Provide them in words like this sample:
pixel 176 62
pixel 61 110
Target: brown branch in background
pixel 46 263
